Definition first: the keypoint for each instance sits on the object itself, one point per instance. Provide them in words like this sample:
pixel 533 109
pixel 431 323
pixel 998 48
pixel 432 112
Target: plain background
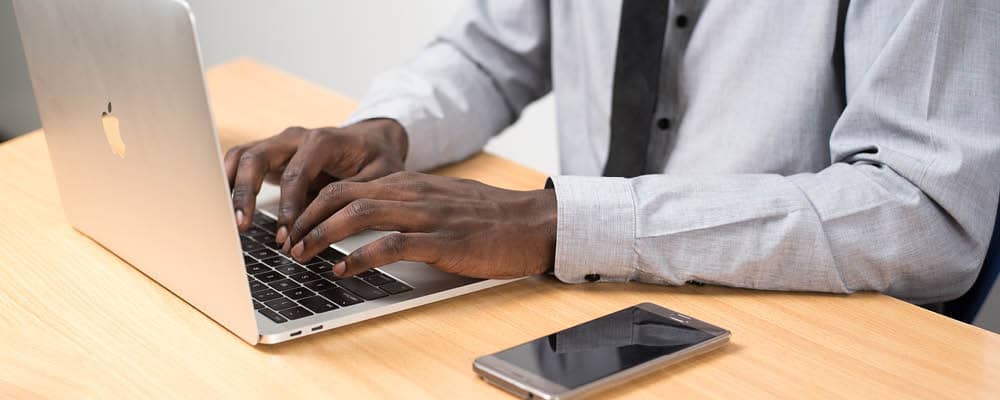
pixel 338 44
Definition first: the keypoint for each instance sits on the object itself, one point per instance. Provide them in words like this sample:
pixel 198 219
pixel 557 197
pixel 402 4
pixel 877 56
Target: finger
pixel 253 164
pixel 419 247
pixel 336 196
pixel 301 170
pixel 364 214
pixel 232 159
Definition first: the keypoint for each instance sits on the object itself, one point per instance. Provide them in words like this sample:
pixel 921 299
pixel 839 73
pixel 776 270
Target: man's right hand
pixel 305 160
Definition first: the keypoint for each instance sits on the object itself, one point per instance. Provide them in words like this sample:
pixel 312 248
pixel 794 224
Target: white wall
pixel 344 44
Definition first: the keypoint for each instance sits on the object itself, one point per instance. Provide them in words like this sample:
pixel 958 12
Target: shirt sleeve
pixel 471 82
pixel 906 208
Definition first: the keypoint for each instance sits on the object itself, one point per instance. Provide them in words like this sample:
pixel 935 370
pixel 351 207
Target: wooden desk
pixel 77 322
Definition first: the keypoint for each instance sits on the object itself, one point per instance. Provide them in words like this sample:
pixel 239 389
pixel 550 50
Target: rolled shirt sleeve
pixel 469 84
pixel 906 208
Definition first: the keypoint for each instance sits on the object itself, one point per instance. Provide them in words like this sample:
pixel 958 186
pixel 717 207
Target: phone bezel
pixel 521 382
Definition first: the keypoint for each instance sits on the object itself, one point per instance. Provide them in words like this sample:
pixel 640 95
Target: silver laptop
pixel 121 94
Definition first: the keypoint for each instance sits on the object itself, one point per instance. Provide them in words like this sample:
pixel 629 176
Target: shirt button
pixel 682 21
pixel 592 277
pixel 663 123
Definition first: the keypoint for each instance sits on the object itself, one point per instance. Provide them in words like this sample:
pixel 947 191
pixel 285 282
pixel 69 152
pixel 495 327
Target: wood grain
pixel 77 322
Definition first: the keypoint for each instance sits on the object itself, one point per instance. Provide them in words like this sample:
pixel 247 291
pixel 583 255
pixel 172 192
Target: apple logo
pixel 112 133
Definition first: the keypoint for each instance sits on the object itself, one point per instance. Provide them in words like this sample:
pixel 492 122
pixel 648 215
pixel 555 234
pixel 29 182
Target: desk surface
pixel 77 322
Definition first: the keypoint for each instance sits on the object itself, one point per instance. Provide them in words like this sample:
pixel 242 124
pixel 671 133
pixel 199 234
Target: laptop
pixel 121 95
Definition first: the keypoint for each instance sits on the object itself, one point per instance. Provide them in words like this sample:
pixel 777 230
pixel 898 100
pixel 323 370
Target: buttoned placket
pixel 683 15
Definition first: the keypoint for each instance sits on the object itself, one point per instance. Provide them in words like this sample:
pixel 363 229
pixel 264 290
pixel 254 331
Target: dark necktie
pixel 637 72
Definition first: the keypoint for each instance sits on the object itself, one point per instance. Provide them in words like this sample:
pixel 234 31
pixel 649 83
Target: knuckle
pixel 292 173
pixel 361 208
pixel 240 193
pixel 317 234
pixel 314 134
pixel 332 190
pixel 249 157
pixel 394 243
pixel 291 130
pixel 233 151
pixel 288 208
pixel 298 226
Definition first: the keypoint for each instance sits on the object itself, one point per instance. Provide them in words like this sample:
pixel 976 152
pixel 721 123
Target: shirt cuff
pixel 595 233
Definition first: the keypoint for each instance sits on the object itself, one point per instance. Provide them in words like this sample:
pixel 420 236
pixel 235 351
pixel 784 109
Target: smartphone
pixel 598 354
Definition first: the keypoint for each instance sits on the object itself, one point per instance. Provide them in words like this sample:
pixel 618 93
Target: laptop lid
pixel 122 100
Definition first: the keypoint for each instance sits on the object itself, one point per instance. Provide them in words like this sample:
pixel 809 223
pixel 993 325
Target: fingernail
pixel 339 268
pixel 281 235
pixel 297 250
pixel 286 247
pixel 239 217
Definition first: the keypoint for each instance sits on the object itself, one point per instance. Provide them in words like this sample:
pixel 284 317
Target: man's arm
pixel 906 208
pixel 469 84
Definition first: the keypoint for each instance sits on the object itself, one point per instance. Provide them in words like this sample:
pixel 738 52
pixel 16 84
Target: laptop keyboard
pixel 285 290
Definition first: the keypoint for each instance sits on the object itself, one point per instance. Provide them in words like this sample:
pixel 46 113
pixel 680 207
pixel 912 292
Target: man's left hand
pixel 456 225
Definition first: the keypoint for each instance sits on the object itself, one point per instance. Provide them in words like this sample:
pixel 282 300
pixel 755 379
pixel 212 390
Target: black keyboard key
pixel 368 273
pixel 269 276
pixel 298 293
pixel 256 233
pixel 378 279
pixel 248 260
pixel 295 313
pixel 262 253
pixel 266 295
pixel 257 306
pixel 256 268
pixel 250 245
pixel 304 277
pixel 256 285
pixel 269 242
pixel 330 254
pixel 284 285
pixel 330 276
pixel 395 287
pixel 277 261
pixel 266 224
pixel 319 284
pixel 280 304
pixel 320 267
pixel 273 316
pixel 341 297
pixel 318 304
pixel 358 287
pixel 290 269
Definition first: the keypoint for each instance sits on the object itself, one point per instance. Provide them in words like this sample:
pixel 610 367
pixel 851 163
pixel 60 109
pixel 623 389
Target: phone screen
pixel 604 346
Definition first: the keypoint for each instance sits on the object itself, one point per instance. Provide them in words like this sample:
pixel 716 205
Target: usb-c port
pixel 294 334
pixel 316 328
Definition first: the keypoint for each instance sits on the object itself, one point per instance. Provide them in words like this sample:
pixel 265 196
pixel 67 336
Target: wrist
pixel 546 213
pixel 391 135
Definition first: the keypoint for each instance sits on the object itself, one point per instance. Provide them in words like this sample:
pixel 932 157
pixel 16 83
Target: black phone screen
pixel 604 346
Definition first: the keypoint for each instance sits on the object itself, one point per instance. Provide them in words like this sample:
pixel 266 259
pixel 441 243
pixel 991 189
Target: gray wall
pixel 17 105
pixel 339 44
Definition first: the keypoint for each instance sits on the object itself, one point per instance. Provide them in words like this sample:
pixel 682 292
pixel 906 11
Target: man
pixel 826 146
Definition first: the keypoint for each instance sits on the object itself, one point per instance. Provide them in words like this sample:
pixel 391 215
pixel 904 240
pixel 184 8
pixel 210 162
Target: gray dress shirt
pixel 783 168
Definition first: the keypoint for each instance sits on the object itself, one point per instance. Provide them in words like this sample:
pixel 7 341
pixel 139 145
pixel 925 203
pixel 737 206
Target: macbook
pixel 121 95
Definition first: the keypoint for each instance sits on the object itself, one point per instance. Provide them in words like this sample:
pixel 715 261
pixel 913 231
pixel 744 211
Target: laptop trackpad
pixel 354 242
